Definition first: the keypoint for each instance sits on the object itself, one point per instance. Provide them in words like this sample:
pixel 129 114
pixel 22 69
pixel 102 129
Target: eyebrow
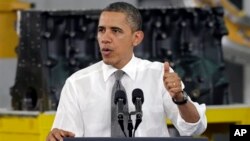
pixel 100 27
pixel 112 27
pixel 117 28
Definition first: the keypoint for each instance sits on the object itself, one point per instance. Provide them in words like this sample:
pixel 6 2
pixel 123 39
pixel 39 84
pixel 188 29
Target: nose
pixel 105 38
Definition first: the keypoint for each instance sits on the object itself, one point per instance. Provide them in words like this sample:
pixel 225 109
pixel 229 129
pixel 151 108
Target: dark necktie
pixel 115 127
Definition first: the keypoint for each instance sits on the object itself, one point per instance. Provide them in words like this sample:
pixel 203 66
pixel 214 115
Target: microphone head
pixel 120 95
pixel 137 93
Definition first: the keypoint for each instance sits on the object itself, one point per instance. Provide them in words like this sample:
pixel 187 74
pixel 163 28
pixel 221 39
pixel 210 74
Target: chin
pixel 107 61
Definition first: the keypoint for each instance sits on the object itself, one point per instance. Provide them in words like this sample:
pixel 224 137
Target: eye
pixel 101 29
pixel 116 30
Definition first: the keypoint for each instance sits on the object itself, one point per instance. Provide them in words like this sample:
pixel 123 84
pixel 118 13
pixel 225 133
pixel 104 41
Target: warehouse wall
pixel 246 6
pixel 7 77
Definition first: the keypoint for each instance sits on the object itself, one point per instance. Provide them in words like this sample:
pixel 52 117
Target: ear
pixel 138 37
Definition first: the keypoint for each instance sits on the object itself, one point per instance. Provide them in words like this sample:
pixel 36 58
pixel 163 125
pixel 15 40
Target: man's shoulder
pixel 147 64
pixel 88 71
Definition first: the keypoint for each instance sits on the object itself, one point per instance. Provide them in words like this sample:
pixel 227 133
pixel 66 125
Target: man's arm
pixel 67 121
pixel 188 112
pixel 173 84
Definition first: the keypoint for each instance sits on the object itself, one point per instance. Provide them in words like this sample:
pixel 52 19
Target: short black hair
pixel 132 13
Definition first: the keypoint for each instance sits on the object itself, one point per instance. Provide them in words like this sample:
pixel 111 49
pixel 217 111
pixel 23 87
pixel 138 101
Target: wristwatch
pixel 184 101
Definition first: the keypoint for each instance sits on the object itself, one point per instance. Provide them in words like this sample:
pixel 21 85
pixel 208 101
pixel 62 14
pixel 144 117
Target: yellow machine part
pixel 8 16
pixel 238 32
pixel 19 127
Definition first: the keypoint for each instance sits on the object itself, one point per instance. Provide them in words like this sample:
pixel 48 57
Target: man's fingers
pixel 172 81
pixel 171 77
pixel 51 137
pixel 175 90
pixel 67 134
pixel 172 84
pixel 58 135
pixel 166 67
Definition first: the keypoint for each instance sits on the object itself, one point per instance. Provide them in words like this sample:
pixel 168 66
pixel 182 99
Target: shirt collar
pixel 129 69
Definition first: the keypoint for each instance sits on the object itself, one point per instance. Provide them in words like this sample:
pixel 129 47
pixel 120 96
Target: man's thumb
pixel 166 67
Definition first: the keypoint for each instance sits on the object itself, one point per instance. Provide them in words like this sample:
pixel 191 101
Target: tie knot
pixel 119 74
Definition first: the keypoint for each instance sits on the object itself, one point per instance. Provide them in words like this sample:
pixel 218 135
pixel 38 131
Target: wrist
pixel 179 96
pixel 181 99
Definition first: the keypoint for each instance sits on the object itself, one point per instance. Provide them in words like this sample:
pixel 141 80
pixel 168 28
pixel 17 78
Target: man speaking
pixel 87 106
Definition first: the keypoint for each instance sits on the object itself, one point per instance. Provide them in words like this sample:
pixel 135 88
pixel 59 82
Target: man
pixel 85 103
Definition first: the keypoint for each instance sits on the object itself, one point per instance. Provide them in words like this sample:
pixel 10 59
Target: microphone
pixel 120 101
pixel 137 99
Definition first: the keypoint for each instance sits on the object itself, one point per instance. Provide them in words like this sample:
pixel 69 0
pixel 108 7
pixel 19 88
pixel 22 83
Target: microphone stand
pixel 120 115
pixel 130 125
pixel 137 123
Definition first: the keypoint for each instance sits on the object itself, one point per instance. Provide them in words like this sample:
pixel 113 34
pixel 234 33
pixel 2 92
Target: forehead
pixel 112 18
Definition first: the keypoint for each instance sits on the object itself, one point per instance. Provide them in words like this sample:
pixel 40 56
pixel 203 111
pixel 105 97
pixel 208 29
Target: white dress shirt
pixel 85 103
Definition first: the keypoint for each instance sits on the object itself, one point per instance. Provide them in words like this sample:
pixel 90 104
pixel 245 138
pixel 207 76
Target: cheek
pixel 98 37
pixel 126 50
pixel 128 41
pixel 124 44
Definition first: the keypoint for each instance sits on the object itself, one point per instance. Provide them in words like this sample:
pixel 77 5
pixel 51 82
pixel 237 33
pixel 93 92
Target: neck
pixel 123 64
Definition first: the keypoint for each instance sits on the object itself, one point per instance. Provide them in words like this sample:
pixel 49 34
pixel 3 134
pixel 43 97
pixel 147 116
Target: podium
pixel 136 139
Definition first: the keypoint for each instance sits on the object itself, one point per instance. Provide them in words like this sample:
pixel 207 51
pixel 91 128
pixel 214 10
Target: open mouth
pixel 106 51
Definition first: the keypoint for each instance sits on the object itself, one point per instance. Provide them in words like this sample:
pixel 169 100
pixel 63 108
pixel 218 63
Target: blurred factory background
pixel 42 42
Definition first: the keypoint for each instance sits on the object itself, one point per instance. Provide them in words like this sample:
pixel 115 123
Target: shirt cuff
pixel 197 128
